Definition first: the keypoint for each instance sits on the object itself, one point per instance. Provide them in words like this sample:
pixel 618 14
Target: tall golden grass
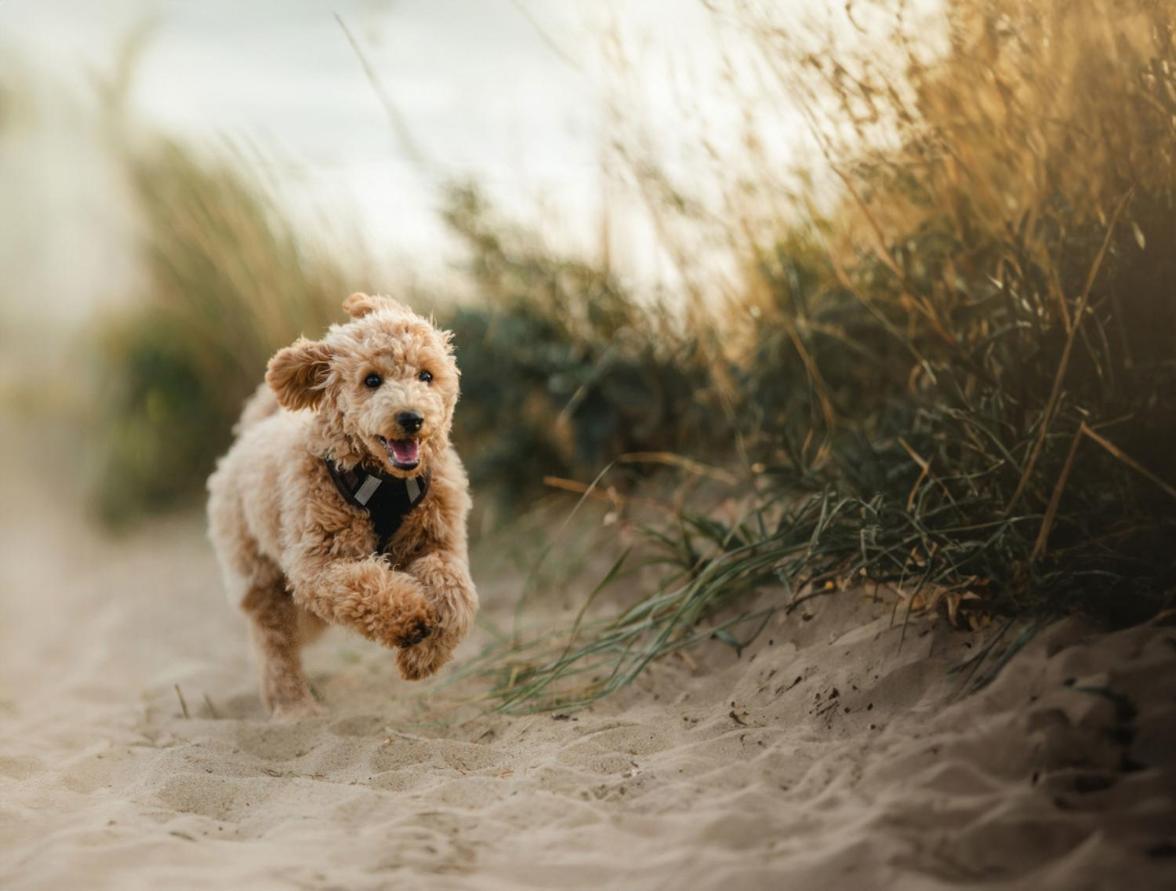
pixel 957 377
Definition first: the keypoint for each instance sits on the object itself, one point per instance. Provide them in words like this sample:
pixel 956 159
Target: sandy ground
pixel 828 756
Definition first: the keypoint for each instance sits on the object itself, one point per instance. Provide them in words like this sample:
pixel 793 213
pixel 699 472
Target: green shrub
pixel 562 369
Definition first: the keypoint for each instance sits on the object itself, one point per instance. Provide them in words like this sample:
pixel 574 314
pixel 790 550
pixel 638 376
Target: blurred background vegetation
pixel 945 362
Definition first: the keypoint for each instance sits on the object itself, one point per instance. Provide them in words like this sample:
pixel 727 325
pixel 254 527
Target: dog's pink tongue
pixel 405 451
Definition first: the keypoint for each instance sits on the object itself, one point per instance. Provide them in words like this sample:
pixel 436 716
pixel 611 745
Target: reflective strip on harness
pixel 368 489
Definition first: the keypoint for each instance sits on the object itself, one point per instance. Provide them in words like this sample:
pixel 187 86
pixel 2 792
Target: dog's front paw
pixel 422 660
pixel 407 626
pixel 414 631
pixel 405 618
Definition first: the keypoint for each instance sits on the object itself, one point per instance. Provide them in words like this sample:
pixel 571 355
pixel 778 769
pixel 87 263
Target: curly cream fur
pixel 293 553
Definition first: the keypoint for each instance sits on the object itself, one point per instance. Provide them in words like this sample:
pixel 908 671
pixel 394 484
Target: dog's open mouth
pixel 405 454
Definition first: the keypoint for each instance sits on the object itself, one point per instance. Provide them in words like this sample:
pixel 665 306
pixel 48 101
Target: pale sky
pixel 510 92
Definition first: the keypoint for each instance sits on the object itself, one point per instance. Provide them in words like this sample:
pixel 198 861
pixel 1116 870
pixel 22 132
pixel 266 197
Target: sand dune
pixel 828 756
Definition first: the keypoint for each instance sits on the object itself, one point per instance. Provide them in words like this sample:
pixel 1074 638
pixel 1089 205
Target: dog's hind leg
pixel 279 630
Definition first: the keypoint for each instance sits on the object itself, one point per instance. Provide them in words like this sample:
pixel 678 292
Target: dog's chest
pixel 386 504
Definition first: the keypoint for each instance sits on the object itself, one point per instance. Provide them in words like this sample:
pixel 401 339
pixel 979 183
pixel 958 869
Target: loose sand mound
pixel 828 756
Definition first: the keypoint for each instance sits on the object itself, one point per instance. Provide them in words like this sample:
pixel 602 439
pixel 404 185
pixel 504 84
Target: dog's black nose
pixel 409 421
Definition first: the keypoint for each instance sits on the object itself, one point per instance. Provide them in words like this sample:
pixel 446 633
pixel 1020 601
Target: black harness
pixel 387 500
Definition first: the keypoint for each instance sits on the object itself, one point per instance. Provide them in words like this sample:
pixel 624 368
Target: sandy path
pixel 824 758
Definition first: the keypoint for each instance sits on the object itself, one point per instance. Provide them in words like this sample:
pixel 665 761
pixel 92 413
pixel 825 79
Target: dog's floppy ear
pixel 298 374
pixel 359 305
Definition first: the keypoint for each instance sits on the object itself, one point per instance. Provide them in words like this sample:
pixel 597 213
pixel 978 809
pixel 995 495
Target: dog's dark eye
pixel 372 381
pixel 425 376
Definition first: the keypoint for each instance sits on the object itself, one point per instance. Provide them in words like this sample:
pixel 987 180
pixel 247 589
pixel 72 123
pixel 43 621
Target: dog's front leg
pixel 367 595
pixel 450 591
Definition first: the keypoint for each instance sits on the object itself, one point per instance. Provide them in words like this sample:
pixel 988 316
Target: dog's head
pixel 384 385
